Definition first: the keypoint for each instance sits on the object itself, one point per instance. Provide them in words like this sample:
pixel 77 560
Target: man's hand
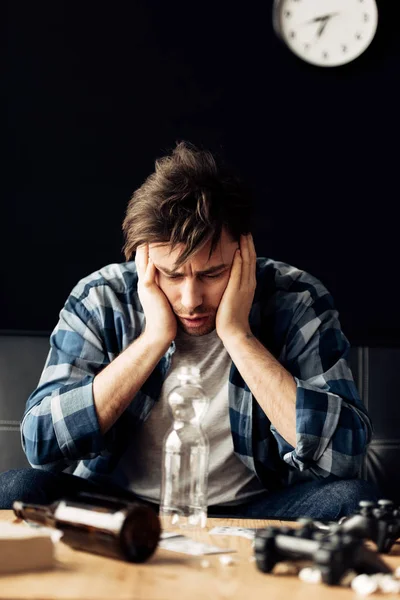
pixel 234 309
pixel 161 324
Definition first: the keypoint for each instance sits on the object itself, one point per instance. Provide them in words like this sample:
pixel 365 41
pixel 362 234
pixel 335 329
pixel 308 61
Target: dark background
pixel 97 91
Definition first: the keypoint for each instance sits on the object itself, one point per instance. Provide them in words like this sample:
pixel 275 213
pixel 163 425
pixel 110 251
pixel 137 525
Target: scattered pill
pixel 364 585
pixel 388 585
pixel 205 563
pixel 225 560
pixel 310 575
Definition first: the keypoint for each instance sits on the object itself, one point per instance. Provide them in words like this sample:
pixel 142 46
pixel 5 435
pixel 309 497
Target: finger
pixel 252 248
pixel 246 259
pixel 150 274
pixel 141 260
pixel 253 260
pixel 236 272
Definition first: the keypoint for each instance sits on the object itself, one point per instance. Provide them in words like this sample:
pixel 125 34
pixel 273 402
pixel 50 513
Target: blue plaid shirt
pixel 292 315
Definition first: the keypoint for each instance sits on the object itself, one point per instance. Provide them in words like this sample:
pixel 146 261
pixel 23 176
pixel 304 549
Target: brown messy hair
pixel 189 198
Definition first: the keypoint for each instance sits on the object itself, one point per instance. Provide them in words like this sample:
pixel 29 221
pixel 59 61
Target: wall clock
pixel 327 33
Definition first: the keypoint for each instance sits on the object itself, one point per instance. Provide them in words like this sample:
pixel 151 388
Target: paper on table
pixel 24 548
pixel 166 535
pixel 185 545
pixel 246 532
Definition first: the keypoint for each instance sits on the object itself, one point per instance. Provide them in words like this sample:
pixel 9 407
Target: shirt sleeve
pixel 333 428
pixel 60 423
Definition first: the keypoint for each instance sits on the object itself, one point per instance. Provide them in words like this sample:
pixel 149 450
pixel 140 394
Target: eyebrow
pixel 205 272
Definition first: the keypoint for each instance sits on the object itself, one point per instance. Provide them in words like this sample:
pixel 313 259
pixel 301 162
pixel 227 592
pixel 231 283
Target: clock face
pixel 326 32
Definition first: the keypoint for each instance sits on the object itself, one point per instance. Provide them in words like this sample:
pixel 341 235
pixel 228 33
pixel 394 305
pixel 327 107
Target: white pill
pixel 310 575
pixel 364 585
pixel 225 560
pixel 205 563
pixel 397 572
pixel 389 585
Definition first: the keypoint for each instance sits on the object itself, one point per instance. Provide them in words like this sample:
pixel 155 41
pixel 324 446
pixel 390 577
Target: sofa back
pixel 21 362
pixel 375 371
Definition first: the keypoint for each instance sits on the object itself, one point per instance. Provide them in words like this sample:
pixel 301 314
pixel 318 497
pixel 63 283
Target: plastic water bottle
pixel 185 455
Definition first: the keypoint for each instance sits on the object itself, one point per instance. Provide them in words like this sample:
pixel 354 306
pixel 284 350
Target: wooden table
pixel 170 576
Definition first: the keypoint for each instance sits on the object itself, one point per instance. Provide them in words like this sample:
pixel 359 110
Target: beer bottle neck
pixel 42 515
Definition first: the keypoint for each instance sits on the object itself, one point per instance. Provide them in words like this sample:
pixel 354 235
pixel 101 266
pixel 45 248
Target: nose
pixel 192 295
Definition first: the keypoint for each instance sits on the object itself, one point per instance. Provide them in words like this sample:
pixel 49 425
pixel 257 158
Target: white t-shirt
pixel 229 480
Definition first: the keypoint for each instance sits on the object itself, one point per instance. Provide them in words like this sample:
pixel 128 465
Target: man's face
pixel 196 288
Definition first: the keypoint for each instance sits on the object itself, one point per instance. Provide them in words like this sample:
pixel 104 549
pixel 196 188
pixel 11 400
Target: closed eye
pixel 214 276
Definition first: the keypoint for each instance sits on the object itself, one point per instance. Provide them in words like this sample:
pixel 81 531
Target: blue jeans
pixel 315 499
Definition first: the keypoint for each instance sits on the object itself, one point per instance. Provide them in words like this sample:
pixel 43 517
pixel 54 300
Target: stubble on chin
pixel 198 331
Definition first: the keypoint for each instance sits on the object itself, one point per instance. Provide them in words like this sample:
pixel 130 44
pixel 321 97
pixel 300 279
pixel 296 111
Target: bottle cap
pixel 189 372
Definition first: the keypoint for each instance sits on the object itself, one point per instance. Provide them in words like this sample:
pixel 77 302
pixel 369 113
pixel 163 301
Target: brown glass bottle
pixel 99 524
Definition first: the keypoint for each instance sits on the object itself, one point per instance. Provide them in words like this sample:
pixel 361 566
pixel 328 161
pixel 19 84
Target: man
pixel 287 429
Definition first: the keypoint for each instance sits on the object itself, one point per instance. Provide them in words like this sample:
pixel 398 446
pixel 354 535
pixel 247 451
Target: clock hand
pixel 322 27
pixel 322 18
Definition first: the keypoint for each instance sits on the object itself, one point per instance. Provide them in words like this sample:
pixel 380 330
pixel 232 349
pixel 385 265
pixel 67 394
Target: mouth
pixel 194 321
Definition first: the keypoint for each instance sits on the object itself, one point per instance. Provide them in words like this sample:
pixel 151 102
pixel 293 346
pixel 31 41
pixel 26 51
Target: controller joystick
pixel 333 555
pixel 378 522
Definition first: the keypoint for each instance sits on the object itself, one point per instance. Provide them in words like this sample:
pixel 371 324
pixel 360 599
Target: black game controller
pixel 333 555
pixel 377 522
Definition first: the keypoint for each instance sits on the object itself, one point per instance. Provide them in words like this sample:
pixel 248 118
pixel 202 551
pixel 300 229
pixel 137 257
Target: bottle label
pixel 110 521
